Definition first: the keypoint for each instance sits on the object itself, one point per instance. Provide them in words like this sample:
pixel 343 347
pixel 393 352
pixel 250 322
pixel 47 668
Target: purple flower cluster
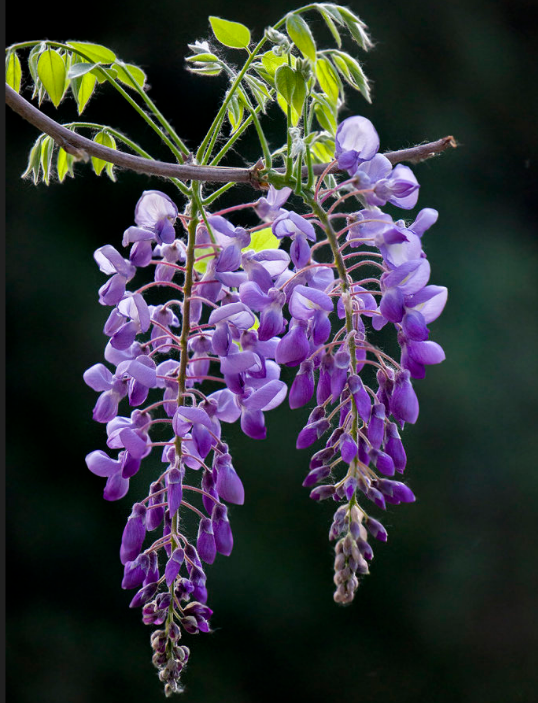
pixel 231 313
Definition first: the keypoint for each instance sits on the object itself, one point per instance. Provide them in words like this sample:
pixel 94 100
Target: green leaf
pixel 285 82
pixel 85 91
pixel 51 71
pixel 356 28
pixel 47 147
pixel 263 239
pixel 299 95
pixel 330 24
pixel 64 164
pixel 232 34
pixel 130 75
pixel 325 112
pixel 235 113
pixel 105 139
pixel 208 69
pixel 79 68
pixel 352 72
pixel 93 52
pixel 323 151
pixel 259 90
pixel 333 11
pixel 291 91
pixel 34 161
pixel 202 58
pixel 301 36
pixel 328 79
pixel 102 76
pixel 13 71
pixel 33 58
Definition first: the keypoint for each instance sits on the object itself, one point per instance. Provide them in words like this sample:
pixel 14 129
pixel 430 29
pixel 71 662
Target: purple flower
pixel 269 208
pixel 156 213
pixel 356 141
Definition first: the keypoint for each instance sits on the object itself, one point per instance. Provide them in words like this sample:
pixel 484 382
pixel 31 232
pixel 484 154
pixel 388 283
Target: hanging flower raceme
pixel 252 311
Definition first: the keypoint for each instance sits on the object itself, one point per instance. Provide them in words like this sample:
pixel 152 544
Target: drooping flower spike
pixel 251 312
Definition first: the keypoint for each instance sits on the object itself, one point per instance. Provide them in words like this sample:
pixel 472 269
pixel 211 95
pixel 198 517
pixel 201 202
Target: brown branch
pixel 83 148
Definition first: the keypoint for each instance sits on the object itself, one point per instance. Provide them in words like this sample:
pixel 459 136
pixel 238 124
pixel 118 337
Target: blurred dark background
pixel 449 613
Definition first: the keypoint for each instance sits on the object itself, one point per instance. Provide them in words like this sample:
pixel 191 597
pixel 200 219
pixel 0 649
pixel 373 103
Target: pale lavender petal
pixel 237 314
pixel 137 234
pixel 100 464
pixel 410 277
pixel 430 301
pixel 152 207
pixel 425 219
pixel 110 261
pixel 227 408
pixel 113 290
pixel 252 295
pixel 239 362
pixel 267 397
pixel 426 352
pixel 98 377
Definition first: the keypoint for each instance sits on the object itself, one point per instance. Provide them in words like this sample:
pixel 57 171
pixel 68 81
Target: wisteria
pixel 206 308
pixel 252 311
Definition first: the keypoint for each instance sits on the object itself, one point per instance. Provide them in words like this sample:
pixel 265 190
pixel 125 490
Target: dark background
pixel 450 610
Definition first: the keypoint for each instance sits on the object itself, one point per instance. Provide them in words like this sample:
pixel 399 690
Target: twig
pixel 82 148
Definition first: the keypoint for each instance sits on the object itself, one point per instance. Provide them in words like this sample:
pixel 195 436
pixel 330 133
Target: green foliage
pixel 232 34
pixel 106 139
pixel 13 71
pixel 285 67
pixel 64 165
pixel 301 36
pixel 52 72
pixel 93 52
pixel 130 75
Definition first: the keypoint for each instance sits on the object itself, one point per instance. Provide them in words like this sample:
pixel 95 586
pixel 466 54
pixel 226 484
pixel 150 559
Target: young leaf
pixel 52 73
pixel 85 91
pixel 102 76
pixel 79 68
pixel 356 27
pixel 325 112
pixel 301 36
pixel 64 164
pixel 328 79
pixel 259 90
pixel 105 139
pixel 352 72
pixel 232 34
pixel 235 113
pixel 323 151
pixel 94 52
pixel 285 82
pixel 299 95
pixel 330 24
pixel 13 71
pixel 202 58
pixel 47 147
pixel 129 74
pixel 34 161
